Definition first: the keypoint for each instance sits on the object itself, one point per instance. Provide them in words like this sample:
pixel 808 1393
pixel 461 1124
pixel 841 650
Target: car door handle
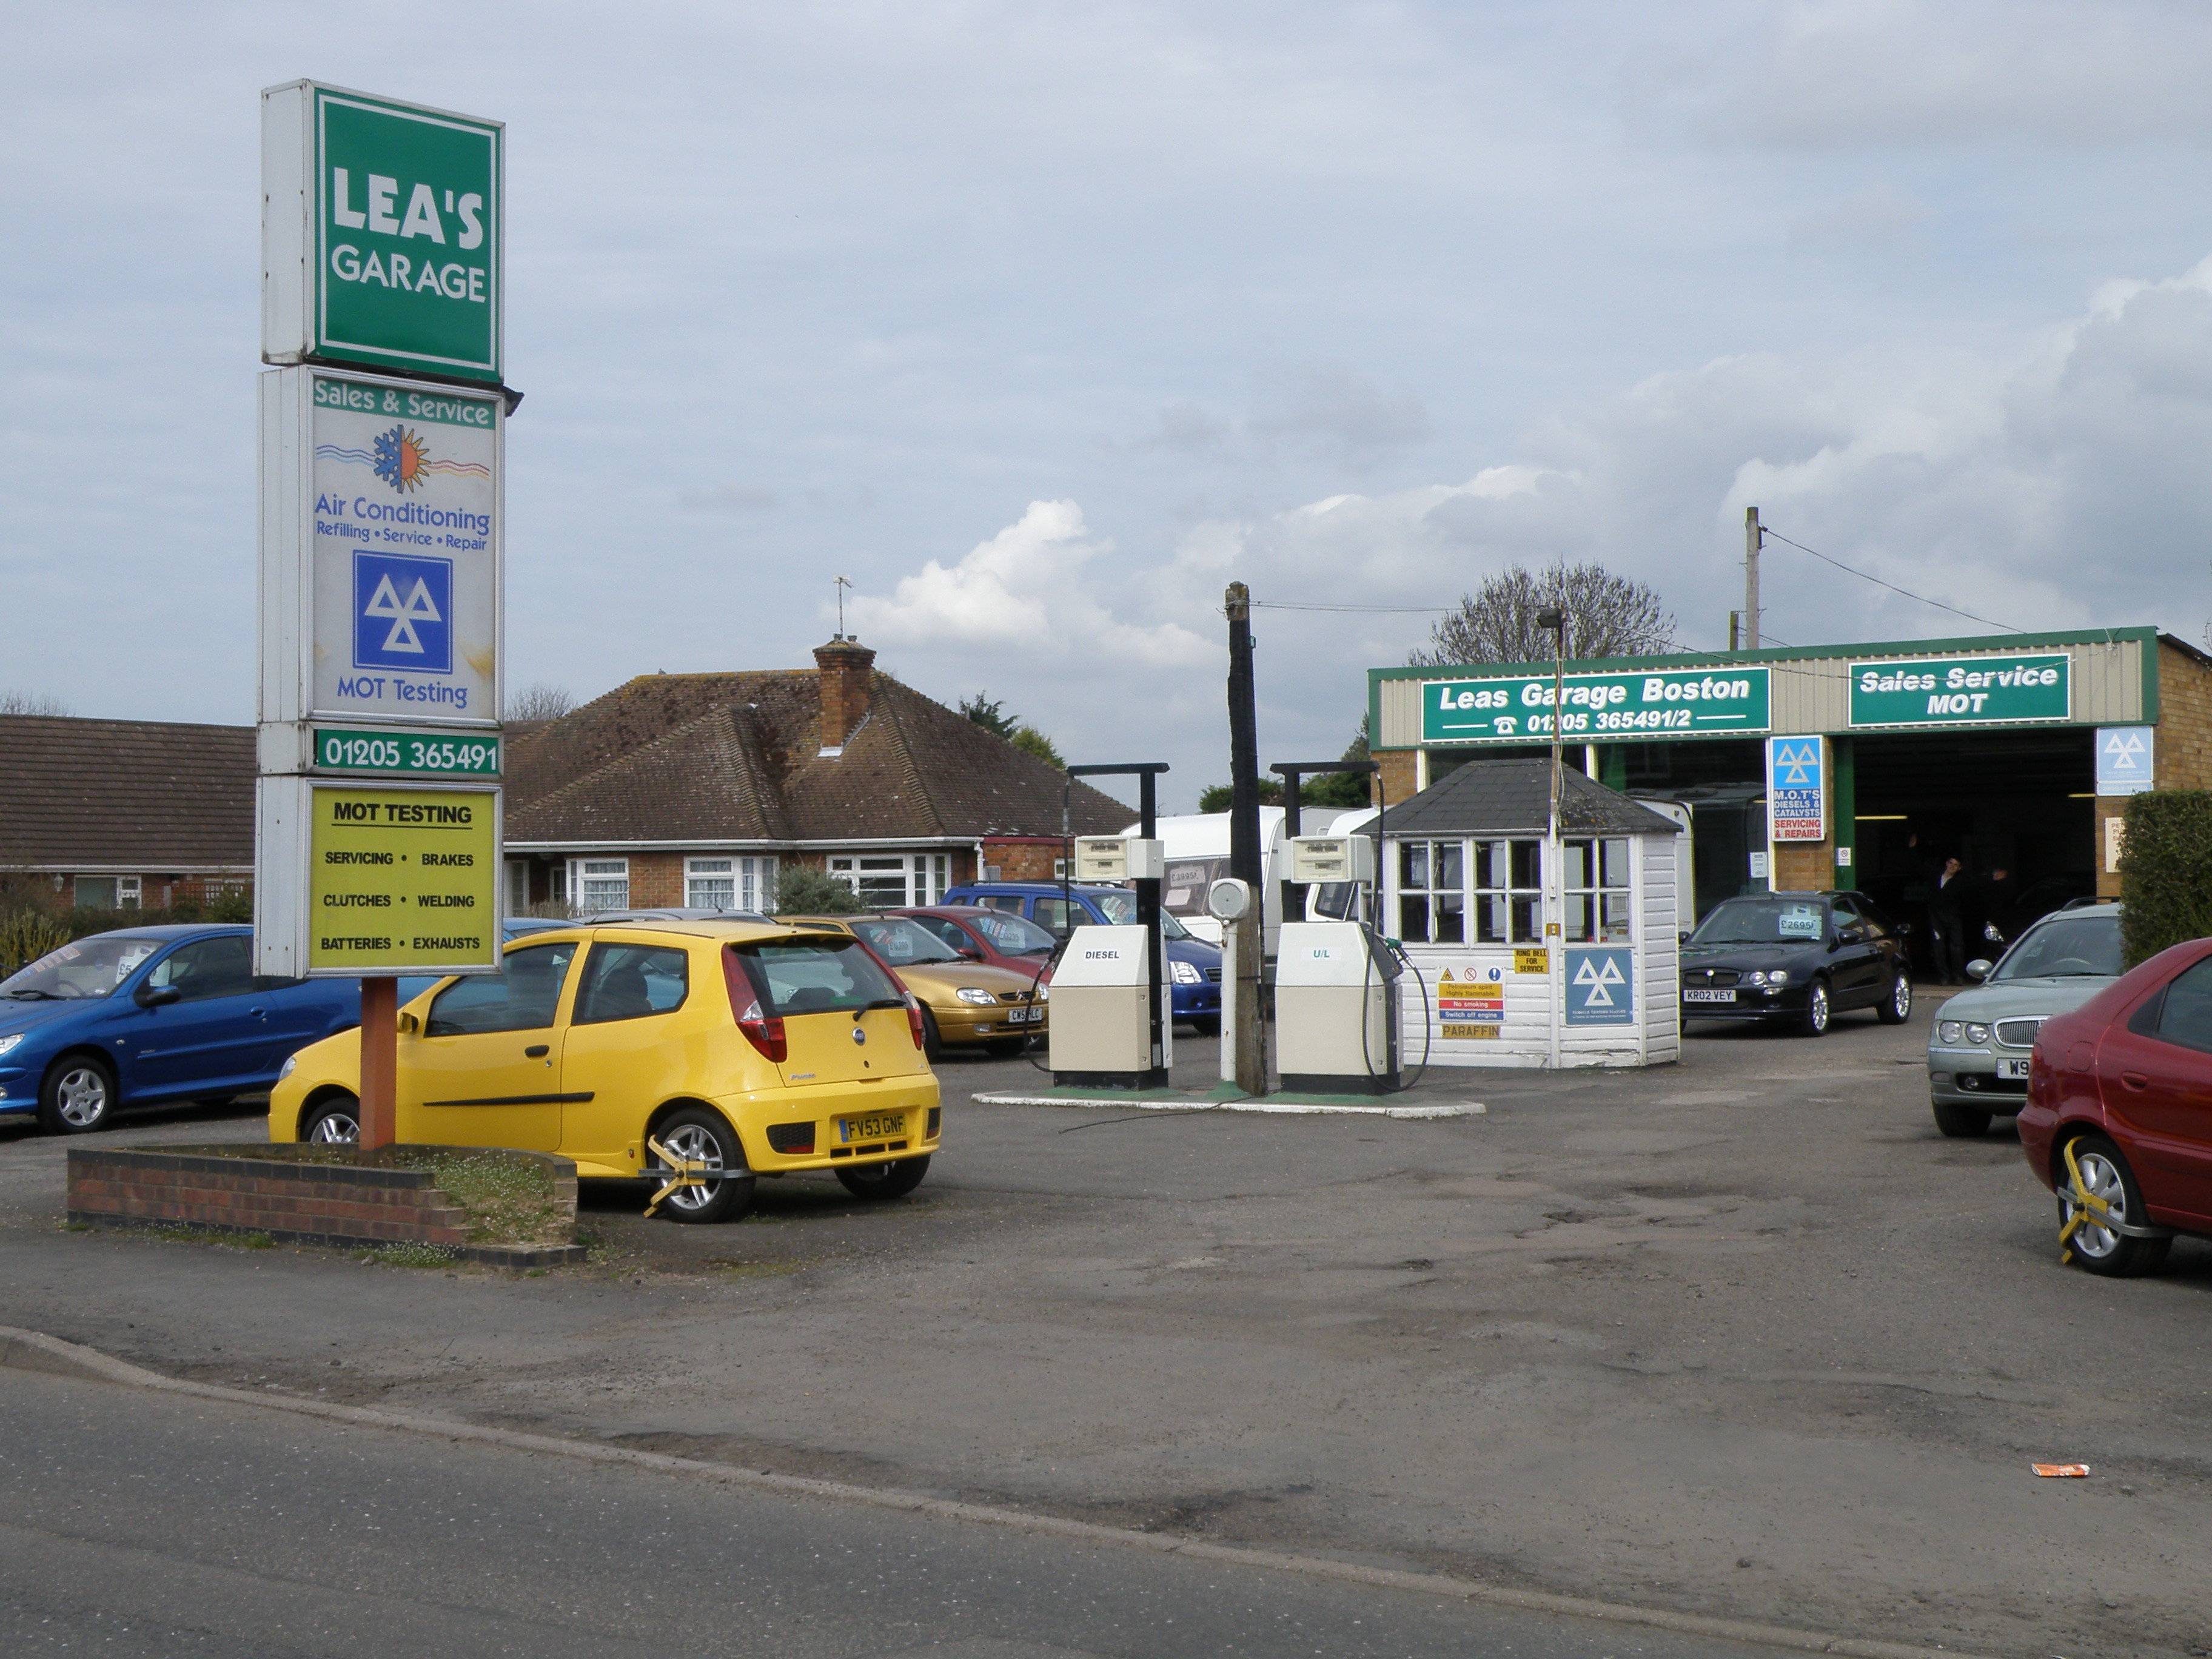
pixel 257 1013
pixel 2135 1080
pixel 537 1051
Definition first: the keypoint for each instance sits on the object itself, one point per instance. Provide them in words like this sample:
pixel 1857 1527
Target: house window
pixel 1593 886
pixel 602 884
pixel 518 887
pixel 1432 891
pixel 127 889
pixel 888 880
pixel 730 883
pixel 96 890
pixel 1508 894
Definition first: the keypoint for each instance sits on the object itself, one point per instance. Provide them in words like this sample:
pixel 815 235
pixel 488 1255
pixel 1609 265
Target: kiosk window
pixel 1509 894
pixel 1595 887
pixel 1432 891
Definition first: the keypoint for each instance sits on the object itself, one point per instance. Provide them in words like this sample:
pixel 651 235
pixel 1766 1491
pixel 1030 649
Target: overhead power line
pixel 1776 535
pixel 1388 609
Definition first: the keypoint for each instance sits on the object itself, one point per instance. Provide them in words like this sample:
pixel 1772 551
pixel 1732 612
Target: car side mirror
pixel 972 952
pixel 157 996
pixel 1681 936
pixel 1978 969
pixel 409 1024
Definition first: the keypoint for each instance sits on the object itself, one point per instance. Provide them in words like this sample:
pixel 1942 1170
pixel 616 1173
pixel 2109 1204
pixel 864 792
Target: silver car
pixel 1979 1042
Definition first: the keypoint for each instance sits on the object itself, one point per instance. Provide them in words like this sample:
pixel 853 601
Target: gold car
pixel 963 1001
pixel 753 1050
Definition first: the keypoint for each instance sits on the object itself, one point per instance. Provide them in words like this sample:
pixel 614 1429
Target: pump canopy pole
pixel 1148 891
pixel 1292 771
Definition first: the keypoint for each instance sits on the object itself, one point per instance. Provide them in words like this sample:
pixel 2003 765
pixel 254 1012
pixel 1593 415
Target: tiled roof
pixel 736 757
pixel 129 794
pixel 1514 798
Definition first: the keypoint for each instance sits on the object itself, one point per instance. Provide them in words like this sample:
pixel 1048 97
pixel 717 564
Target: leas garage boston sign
pixel 1679 703
pixel 1963 690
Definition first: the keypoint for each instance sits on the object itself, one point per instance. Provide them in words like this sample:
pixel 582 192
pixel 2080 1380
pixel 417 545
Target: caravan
pixel 1196 846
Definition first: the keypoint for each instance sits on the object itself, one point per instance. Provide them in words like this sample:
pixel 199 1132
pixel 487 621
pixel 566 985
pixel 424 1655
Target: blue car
pixel 1193 965
pixel 152 1014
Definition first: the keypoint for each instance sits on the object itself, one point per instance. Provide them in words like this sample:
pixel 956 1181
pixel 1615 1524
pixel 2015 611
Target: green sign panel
pixel 1962 690
pixel 1659 702
pixel 407 222
pixel 417 754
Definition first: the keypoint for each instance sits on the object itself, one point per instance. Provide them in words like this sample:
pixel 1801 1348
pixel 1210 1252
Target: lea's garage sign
pixel 1962 690
pixel 1675 703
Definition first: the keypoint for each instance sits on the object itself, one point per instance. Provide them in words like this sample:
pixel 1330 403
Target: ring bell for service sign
pixel 382 225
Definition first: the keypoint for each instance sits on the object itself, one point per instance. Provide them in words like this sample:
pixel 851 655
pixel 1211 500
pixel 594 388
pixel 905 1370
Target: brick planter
pixel 297 1195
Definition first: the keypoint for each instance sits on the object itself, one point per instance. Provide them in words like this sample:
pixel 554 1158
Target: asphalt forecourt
pixel 1740 1338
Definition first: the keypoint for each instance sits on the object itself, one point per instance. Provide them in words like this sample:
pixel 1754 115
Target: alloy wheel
pixel 2101 1177
pixel 336 1128
pixel 82 1096
pixel 1900 998
pixel 691 1143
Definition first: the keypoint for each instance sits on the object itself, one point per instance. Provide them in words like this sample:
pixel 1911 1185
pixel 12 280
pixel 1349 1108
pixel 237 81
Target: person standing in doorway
pixel 1946 922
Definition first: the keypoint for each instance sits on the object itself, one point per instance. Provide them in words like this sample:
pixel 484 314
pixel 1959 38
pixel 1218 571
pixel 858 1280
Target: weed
pixel 410 1255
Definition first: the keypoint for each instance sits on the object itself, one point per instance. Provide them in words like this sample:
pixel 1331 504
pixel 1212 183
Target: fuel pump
pixel 1337 1016
pixel 1113 1023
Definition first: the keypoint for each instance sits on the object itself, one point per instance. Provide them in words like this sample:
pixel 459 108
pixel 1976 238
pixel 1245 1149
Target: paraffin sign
pixel 381 233
pixel 1797 788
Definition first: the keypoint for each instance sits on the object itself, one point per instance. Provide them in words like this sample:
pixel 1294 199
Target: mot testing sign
pixel 2123 759
pixel 1797 788
pixel 1678 701
pixel 1600 985
pixel 382 225
pixel 1989 691
pixel 402 880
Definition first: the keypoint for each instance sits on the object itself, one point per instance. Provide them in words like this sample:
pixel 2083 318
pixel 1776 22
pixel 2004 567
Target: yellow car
pixel 963 1001
pixel 753 1050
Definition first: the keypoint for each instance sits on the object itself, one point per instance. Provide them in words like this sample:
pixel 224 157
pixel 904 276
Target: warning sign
pixel 403 880
pixel 1601 985
pixel 1472 1004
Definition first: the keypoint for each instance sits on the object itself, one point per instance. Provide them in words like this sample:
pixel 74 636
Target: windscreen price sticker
pixel 424 754
pixel 403 880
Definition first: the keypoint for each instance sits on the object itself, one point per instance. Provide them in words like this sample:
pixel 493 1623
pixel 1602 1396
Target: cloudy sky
pixel 1042 322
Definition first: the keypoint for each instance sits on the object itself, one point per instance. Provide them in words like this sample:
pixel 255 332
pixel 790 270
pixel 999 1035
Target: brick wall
pixel 1398 773
pixel 276 1193
pixel 2182 758
pixel 1804 866
pixel 656 881
pixel 1028 857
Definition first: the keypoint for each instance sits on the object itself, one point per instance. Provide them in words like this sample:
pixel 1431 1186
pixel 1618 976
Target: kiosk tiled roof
pixel 1513 797
pixel 678 758
pixel 127 794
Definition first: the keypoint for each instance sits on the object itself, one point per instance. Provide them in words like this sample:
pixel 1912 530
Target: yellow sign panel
pixel 403 880
pixel 1531 962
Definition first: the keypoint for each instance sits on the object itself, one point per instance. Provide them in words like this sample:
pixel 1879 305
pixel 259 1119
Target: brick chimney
pixel 847 671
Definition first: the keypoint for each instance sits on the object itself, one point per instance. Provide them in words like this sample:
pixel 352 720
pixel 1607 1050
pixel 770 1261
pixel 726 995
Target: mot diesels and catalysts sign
pixel 381 233
pixel 1797 788
pixel 1991 690
pixel 1680 702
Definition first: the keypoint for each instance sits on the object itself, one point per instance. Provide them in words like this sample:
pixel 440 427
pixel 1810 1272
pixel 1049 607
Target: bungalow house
pixel 692 789
pixel 125 814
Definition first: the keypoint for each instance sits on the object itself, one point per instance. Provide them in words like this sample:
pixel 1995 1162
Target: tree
pixel 991 716
pixel 806 889
pixel 1030 741
pixel 1608 615
pixel 32 703
pixel 1342 790
pixel 539 701
pixel 1215 798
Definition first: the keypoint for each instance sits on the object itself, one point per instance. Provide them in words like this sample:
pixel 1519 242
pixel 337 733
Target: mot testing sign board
pixel 381 550
pixel 1797 788
pixel 1989 691
pixel 1682 702
pixel 402 880
pixel 1600 985
pixel 2123 759
pixel 382 226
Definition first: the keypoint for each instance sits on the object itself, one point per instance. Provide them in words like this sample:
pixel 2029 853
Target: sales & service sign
pixel 1987 690
pixel 407 225
pixel 406 494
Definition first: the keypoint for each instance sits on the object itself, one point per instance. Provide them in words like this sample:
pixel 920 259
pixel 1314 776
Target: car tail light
pixel 914 1019
pixel 764 1034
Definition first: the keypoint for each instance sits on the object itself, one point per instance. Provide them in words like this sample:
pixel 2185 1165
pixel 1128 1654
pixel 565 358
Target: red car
pixel 2119 1119
pixel 1004 938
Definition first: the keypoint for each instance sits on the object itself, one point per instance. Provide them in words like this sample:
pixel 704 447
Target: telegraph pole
pixel 1753 535
pixel 1247 935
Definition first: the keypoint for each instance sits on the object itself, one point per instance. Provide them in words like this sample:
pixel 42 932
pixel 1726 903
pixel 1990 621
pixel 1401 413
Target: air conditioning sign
pixel 1962 690
pixel 1655 702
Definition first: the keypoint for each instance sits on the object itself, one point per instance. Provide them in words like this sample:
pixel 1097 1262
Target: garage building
pixel 2013 753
